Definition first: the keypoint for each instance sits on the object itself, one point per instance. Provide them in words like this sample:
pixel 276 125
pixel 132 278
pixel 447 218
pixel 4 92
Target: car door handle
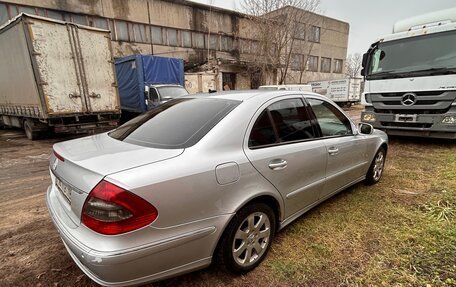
pixel 277 164
pixel 333 151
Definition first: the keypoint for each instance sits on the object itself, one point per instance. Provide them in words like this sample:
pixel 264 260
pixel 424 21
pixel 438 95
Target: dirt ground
pixel 32 253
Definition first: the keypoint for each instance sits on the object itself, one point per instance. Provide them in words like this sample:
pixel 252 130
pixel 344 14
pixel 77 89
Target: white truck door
pixel 59 79
pixel 97 65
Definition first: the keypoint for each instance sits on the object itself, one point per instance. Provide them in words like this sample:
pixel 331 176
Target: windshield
pixel 179 123
pixel 413 57
pixel 267 88
pixel 168 93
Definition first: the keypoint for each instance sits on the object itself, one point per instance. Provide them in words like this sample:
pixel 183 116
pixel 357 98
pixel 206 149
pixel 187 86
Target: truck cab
pixel 410 78
pixel 156 95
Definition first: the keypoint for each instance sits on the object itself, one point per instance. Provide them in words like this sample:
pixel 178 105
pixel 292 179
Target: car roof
pixel 245 95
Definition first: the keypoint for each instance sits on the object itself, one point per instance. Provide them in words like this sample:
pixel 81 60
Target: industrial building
pixel 216 44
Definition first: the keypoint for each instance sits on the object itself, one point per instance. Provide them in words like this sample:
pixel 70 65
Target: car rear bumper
pixel 158 260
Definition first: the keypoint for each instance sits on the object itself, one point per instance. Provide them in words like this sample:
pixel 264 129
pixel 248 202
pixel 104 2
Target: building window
pixel 338 66
pixel 314 34
pixel 40 12
pixel 245 46
pixel 3 14
pixel 25 9
pixel 198 40
pixel 139 33
pixel 255 48
pixel 226 43
pixel 186 39
pixel 54 15
pixel 157 37
pixel 79 19
pixel 172 37
pixel 312 64
pixel 112 28
pixel 101 23
pixel 325 65
pixel 13 11
pixel 121 30
pixel 213 42
pixel 297 61
pixel 300 31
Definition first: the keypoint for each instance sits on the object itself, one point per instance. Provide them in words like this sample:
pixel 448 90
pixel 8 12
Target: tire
pixel 242 248
pixel 31 135
pixel 375 171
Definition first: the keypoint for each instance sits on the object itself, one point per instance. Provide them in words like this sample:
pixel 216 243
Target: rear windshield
pixel 179 123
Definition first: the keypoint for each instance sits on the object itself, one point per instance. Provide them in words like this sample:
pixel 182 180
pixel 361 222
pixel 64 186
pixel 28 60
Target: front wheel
pixel 247 238
pixel 376 169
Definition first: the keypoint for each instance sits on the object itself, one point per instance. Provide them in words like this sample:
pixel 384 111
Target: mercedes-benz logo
pixel 409 99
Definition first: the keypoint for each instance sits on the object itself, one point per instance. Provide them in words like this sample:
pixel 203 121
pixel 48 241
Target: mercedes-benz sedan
pixel 202 179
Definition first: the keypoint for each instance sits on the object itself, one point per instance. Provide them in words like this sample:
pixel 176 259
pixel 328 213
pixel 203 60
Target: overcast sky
pixel 369 19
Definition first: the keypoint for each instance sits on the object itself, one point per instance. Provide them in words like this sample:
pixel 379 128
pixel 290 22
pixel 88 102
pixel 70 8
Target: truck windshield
pixel 168 93
pixel 426 55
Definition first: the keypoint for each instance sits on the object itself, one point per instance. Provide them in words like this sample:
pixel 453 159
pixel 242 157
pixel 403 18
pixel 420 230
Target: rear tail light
pixel 58 156
pixel 111 210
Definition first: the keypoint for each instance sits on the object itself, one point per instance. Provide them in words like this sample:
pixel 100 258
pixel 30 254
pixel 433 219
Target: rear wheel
pixel 376 169
pixel 247 238
pixel 29 132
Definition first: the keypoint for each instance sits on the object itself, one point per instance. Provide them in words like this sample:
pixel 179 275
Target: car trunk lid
pixel 77 166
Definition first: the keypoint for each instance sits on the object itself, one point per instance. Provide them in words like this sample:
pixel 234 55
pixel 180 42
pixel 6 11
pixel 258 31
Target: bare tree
pixel 279 25
pixel 353 65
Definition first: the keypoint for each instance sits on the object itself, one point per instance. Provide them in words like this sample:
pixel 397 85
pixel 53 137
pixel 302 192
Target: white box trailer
pixel 56 76
pixel 288 87
pixel 343 91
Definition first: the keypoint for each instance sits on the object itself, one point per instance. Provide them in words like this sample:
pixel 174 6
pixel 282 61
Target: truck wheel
pixel 247 239
pixel 376 169
pixel 31 135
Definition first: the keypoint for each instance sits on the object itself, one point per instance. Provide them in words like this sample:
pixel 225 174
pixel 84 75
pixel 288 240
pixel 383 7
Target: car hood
pixel 105 155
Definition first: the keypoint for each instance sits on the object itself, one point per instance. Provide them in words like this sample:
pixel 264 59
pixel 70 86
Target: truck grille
pixel 407 125
pixel 431 102
pixel 422 112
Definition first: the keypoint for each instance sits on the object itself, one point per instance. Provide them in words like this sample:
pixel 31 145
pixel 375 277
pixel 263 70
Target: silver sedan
pixel 201 179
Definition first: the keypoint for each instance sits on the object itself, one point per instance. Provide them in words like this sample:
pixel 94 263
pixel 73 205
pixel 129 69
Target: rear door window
pixel 281 122
pixel 179 123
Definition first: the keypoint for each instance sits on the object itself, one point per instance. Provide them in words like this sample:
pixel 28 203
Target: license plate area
pixel 64 189
pixel 400 118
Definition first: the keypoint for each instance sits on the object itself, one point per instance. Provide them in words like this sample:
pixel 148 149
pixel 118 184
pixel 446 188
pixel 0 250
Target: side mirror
pixel 364 62
pixel 363 72
pixel 146 94
pixel 365 129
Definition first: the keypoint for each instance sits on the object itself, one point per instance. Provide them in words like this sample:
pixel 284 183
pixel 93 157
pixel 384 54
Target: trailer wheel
pixel 29 132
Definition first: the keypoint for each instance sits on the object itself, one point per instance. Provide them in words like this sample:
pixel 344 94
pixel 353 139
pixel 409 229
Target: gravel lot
pixel 34 255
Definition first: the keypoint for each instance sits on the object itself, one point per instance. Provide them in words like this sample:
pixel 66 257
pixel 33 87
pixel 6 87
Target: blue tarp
pixel 136 71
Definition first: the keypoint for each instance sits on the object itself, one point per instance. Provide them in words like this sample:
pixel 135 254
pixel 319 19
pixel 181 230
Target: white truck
pixel 56 76
pixel 410 78
pixel 344 92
